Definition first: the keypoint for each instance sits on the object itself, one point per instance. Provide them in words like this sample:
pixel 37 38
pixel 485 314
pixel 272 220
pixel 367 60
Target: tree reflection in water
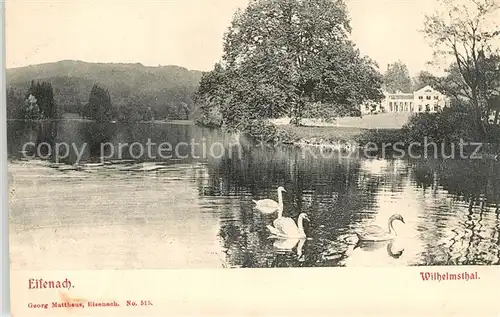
pixel 452 206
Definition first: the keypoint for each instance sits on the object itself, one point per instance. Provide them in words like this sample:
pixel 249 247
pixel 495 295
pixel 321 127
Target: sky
pixel 187 33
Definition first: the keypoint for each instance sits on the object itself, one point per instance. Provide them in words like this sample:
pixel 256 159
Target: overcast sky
pixel 186 32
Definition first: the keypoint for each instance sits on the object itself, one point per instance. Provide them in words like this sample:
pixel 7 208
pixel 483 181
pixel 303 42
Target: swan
pixel 283 222
pixel 375 233
pixel 285 227
pixel 269 206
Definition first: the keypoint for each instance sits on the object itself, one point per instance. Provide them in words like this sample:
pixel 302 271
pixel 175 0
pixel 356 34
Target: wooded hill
pixel 167 90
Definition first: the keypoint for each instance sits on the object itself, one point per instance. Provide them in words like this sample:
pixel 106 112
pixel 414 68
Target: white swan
pixel 376 233
pixel 268 206
pixel 285 227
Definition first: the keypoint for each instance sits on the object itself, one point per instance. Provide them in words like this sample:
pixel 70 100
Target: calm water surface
pixel 196 212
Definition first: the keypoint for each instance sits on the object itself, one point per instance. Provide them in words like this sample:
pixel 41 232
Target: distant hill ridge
pixel 164 86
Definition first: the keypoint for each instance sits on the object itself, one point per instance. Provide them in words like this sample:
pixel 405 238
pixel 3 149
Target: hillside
pixel 166 89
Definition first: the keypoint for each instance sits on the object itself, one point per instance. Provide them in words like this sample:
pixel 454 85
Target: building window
pixel 419 108
pixel 390 106
pixel 427 108
pixel 421 97
pixel 428 97
pixel 437 108
pixel 436 97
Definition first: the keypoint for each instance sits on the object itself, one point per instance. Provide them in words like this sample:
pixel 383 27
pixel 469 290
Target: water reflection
pixel 95 135
pixel 200 208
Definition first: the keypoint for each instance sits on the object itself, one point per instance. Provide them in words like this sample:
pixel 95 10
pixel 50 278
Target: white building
pixel 426 99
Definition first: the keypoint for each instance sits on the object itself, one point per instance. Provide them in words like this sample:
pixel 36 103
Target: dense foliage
pixel 397 78
pixel 281 56
pixel 14 104
pixel 37 103
pixel 452 124
pixel 464 33
pixel 99 107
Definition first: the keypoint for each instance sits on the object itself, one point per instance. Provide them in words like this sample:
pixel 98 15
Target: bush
pixel 421 125
pixel 261 130
pixel 211 118
pixel 446 126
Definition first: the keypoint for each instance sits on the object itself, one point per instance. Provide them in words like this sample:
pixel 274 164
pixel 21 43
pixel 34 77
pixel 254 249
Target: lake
pixel 195 210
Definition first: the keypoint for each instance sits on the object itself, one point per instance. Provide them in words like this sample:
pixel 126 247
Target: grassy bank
pixel 380 128
pixel 367 121
pixel 331 134
pixel 325 134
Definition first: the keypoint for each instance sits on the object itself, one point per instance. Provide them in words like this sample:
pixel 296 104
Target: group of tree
pixel 397 79
pixel 464 36
pixel 37 103
pixel 282 57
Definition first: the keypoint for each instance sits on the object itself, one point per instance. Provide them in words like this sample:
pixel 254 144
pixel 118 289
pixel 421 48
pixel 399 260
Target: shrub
pixel 211 117
pixel 261 130
pixel 446 126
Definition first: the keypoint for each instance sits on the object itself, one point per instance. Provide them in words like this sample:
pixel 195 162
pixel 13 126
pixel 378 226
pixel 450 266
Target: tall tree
pixel 99 107
pixel 397 78
pixel 466 33
pixel 281 54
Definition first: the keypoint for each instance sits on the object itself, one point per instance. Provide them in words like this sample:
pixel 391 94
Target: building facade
pixel 426 99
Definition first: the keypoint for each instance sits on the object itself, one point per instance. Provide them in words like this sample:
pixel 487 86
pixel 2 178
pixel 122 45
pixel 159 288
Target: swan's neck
pixel 280 200
pixel 280 211
pixel 300 225
pixel 391 227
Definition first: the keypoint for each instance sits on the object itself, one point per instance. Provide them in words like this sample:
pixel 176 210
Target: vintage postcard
pixel 252 157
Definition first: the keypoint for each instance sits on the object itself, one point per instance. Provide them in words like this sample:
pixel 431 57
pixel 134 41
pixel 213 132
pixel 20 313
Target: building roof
pixel 400 96
pixel 427 89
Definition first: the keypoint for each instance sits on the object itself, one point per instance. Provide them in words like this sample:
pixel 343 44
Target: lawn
pixel 378 121
pixel 327 133
pixel 369 128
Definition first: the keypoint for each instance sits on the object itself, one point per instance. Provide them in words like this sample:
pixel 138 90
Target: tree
pixel 280 55
pixel 44 94
pixel 14 104
pixel 212 96
pixel 465 33
pixel 423 79
pixel 397 78
pixel 136 109
pixel 99 107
